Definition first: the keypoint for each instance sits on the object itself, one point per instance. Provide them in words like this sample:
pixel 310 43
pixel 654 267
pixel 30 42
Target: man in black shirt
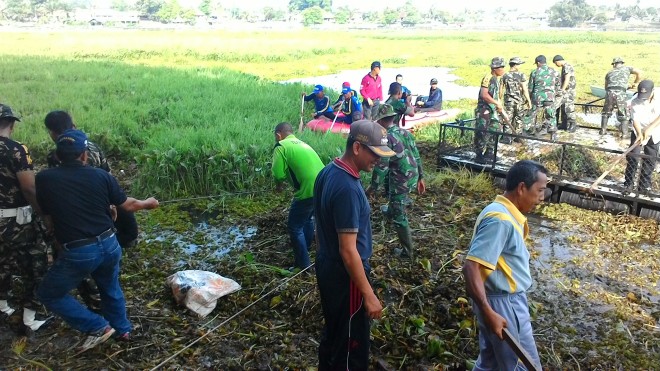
pixel 75 200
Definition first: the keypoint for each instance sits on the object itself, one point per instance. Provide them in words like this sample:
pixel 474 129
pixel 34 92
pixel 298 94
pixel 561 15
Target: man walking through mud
pixel 496 269
pixel 343 230
pixel 295 162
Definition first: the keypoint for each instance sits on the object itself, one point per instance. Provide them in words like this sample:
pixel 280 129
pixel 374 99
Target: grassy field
pixel 195 109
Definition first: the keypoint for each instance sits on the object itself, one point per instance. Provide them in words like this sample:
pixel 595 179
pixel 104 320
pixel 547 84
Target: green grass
pixel 195 109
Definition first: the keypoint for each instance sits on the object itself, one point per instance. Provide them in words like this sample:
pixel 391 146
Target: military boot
pixel 572 126
pixel 603 125
pixel 625 129
pixel 405 238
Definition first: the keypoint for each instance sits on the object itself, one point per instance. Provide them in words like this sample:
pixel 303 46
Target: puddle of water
pixel 206 241
pixel 414 78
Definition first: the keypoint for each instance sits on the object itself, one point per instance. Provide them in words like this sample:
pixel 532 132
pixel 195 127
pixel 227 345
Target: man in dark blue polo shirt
pixel 343 230
pixel 75 200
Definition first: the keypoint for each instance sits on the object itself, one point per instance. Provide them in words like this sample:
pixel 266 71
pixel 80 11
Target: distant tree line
pixel 564 13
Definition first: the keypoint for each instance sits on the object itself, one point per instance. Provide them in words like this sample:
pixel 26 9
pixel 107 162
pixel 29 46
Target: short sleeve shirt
pixel 644 112
pixel 498 246
pixel 341 206
pixel 14 158
pixel 567 70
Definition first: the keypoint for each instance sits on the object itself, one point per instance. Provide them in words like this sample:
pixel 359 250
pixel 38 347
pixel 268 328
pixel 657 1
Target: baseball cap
pixel 516 60
pixel 497 62
pixel 557 58
pixel 346 84
pixel 645 89
pixel 6 112
pixel 617 60
pixel 318 88
pixel 375 64
pixel 384 110
pixel 434 81
pixel 372 135
pixel 540 59
pixel 72 141
pixel 346 90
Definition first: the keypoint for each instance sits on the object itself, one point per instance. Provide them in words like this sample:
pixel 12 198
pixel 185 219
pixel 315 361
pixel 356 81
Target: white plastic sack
pixel 199 291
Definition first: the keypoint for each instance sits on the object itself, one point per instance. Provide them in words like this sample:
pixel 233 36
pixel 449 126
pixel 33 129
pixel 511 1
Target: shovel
pixel 302 111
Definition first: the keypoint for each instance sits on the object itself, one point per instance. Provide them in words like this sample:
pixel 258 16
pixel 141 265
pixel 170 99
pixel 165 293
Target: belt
pixel 88 241
pixel 8 213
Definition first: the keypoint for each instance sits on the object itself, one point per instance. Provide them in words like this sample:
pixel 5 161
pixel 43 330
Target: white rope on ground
pixel 230 318
pixel 212 196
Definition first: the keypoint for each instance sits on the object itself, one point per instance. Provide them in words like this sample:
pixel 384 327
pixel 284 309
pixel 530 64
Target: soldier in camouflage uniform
pixel 543 86
pixel 489 107
pixel 20 249
pixel 616 84
pixel 404 173
pixel 395 100
pixel 565 100
pixel 516 96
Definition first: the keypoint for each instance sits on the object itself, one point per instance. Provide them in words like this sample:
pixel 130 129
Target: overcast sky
pixel 452 6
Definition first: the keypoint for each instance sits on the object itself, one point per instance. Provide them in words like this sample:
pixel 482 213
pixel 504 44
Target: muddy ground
pixel 595 301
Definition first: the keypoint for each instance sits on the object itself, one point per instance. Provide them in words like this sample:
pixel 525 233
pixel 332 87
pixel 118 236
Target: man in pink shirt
pixel 371 89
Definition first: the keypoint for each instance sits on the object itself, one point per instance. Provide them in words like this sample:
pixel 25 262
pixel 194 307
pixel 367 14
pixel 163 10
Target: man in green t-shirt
pixel 295 162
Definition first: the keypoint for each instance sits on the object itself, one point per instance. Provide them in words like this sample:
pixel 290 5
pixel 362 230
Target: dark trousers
pixel 327 114
pixel 126 226
pixel 648 164
pixel 301 230
pixel 345 337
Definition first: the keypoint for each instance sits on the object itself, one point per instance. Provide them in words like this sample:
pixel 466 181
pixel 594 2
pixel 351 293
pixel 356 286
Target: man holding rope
pixel 343 230
pixel 645 114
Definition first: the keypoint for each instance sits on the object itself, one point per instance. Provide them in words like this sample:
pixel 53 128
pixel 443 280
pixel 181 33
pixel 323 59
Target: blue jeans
pixel 301 230
pixel 101 261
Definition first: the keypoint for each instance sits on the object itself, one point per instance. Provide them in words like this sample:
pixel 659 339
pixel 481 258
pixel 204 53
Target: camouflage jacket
pixel 512 83
pixel 95 158
pixel 543 84
pixel 566 70
pixel 14 158
pixel 617 78
pixel 404 169
pixel 399 107
pixel 495 90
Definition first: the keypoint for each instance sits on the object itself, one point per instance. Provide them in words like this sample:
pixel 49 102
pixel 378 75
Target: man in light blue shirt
pixel 496 268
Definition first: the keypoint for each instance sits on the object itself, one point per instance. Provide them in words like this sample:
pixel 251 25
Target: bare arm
pixel 353 263
pixel 131 204
pixel 476 290
pixel 29 190
pixel 526 94
pixel 654 124
pixel 638 75
pixel 485 96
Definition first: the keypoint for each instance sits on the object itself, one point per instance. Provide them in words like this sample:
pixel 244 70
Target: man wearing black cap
pixel 543 86
pixel 75 200
pixel 434 103
pixel 341 211
pixel 645 113
pixel 20 251
pixel 616 84
pixel 565 100
pixel 371 89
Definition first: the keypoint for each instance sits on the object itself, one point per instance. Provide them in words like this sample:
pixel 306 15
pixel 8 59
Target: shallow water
pixel 414 78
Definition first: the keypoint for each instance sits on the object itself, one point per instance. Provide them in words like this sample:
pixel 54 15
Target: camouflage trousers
pixel 22 253
pixel 566 104
pixel 484 141
pixel 396 209
pixel 516 112
pixel 616 99
pixel 542 115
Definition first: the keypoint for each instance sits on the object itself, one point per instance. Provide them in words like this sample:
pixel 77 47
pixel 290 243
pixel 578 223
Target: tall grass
pixel 195 109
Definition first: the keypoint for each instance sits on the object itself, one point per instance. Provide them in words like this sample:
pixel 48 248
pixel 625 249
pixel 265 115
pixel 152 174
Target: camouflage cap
pixel 516 60
pixel 384 110
pixel 497 62
pixel 6 112
pixel 617 60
